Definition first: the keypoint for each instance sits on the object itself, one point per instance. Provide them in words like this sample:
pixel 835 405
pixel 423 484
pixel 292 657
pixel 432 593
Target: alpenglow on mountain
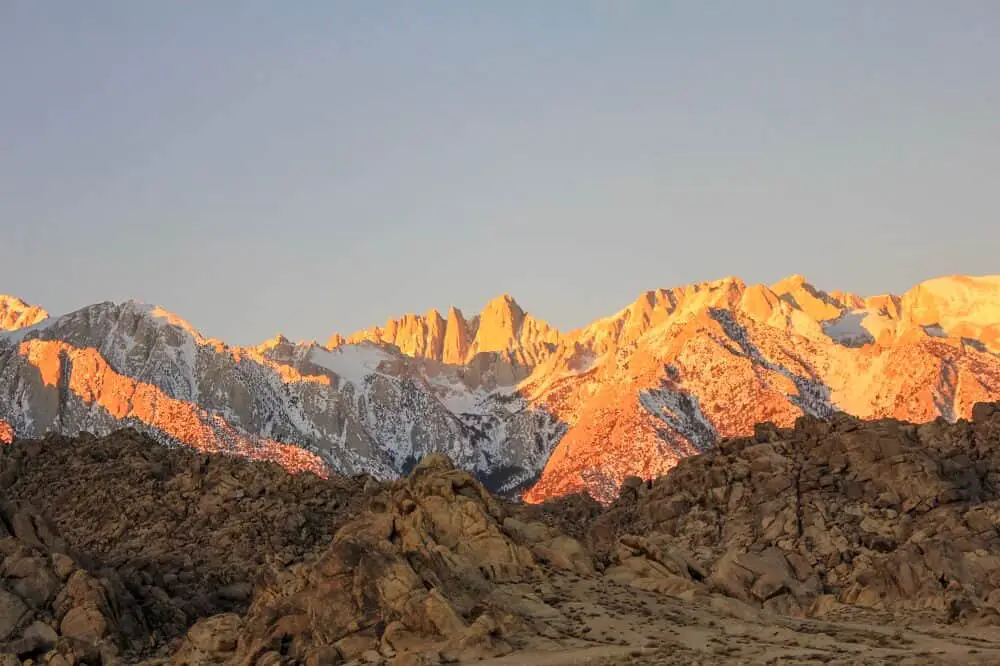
pixel 524 406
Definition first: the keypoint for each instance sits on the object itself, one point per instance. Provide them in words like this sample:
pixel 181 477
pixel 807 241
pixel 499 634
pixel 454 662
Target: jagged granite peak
pixel 819 305
pixel 499 324
pixel 502 328
pixel 335 341
pixel 455 348
pixel 435 334
pixel 958 307
pixel 15 313
pixel 277 341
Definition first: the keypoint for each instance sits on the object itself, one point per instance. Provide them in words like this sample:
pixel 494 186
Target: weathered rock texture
pixel 837 541
pixel 804 520
pixel 502 328
pixel 681 368
pixel 433 564
pixel 148 538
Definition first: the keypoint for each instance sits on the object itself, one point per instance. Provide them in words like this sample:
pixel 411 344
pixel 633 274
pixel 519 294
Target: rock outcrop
pixel 837 541
pixel 120 543
pixel 435 565
pixel 51 604
pixel 128 545
pixel 824 516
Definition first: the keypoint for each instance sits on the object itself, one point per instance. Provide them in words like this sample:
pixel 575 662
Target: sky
pixel 318 166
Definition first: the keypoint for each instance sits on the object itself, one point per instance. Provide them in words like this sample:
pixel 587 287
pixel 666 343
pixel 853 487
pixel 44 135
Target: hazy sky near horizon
pixel 313 166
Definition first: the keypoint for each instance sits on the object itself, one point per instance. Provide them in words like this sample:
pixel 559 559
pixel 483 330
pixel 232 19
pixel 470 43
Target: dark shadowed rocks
pixel 434 564
pixel 138 541
pixel 117 551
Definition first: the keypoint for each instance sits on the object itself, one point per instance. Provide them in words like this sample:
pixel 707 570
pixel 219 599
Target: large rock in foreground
pixel 824 516
pixel 838 542
pixel 51 604
pixel 434 565
pixel 123 544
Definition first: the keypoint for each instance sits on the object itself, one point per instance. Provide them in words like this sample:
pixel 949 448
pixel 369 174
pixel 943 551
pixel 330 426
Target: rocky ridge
pixel 502 328
pixel 523 406
pixel 837 541
pixel 356 409
pixel 680 369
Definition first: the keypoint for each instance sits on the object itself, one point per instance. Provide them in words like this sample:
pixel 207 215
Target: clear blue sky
pixel 317 166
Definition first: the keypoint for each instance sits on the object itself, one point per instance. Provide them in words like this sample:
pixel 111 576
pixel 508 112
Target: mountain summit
pixel 501 328
pixel 505 395
pixel 15 314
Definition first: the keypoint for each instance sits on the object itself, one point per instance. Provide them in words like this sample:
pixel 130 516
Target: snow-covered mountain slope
pixel 357 409
pixel 504 394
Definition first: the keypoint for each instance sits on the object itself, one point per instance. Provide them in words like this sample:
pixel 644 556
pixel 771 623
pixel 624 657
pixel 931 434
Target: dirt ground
pixel 610 624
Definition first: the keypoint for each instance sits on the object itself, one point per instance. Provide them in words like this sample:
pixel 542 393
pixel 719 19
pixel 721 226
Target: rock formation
pixel 113 544
pixel 838 541
pixel 823 517
pixel 502 328
pixel 678 369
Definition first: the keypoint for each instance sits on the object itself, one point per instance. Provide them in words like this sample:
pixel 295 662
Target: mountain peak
pixel 277 341
pixel 174 320
pixel 12 301
pixel 802 295
pixel 499 324
pixel 15 313
pixel 789 283
pixel 503 301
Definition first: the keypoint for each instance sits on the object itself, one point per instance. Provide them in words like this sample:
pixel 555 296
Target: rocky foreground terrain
pixel 837 542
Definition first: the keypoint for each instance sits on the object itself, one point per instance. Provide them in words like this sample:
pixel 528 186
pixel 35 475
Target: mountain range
pixel 526 407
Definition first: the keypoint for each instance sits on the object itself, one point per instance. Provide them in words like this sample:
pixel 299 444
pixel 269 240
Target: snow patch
pixel 935 331
pixel 352 363
pixel 682 412
pixel 458 399
pixel 849 329
pixel 16 337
